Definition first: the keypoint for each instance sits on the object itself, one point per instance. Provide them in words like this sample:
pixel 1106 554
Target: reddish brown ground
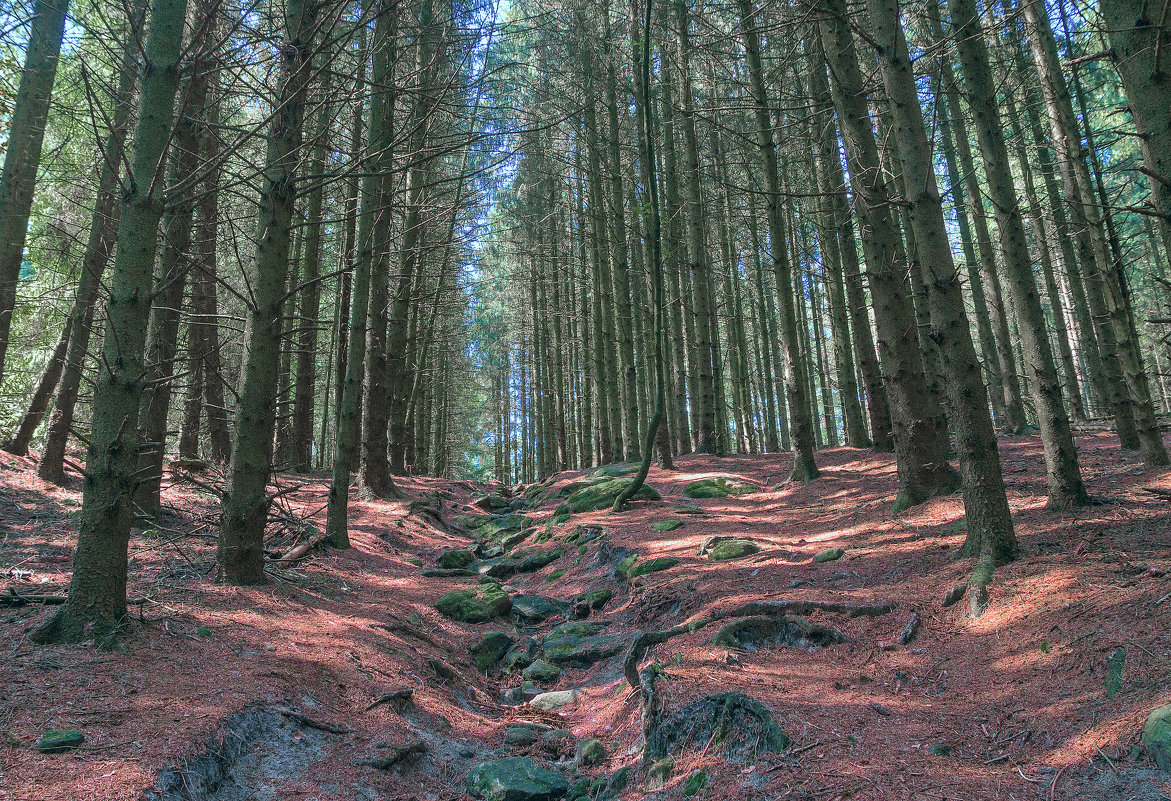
pixel 1016 697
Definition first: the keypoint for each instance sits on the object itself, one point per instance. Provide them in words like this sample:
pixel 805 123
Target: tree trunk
pixel 1061 461
pixel 96 605
pixel 795 367
pixel 39 403
pixel 22 158
pixel 244 509
pixel 98 248
pixel 990 528
pixel 920 450
pixel 1139 33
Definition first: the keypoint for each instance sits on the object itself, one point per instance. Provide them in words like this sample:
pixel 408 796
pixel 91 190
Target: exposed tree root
pixel 647 640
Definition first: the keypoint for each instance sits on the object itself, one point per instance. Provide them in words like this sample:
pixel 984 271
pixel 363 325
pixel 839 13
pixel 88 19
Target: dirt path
pixel 269 692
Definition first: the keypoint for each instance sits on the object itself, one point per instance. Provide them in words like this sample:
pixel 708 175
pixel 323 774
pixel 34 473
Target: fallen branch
pixel 310 722
pixel 301 551
pixel 399 698
pixel 399 753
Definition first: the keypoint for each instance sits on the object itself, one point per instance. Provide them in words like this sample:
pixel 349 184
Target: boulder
pixel 751 633
pixel 630 567
pixel 829 555
pixel 575 628
pixel 520 655
pixel 601 495
pixel 554 700
pixel 542 671
pixel 590 752
pixel 538 608
pixel 520 734
pixel 492 503
pixel 515 779
pixel 475 605
pixel 718 487
pixel 515 537
pixel 617 469
pixel 732 549
pixel 490 649
pixel 591 600
pixel 583 651
pixel 455 559
pixel 521 562
pixel 1157 736
pixel 441 572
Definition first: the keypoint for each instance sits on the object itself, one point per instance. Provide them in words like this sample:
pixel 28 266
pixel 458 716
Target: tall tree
pixel 96 604
pixel 22 158
pixel 1061 460
pixel 245 503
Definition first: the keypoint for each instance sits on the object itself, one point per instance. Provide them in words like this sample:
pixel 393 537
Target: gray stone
pixel 515 779
pixel 554 700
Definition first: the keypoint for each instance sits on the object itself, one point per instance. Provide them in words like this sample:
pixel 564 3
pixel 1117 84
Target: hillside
pixel 340 679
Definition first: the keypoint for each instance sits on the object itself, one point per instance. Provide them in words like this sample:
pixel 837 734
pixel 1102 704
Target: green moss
pixel 601 495
pixel 56 741
pixel 717 487
pixel 556 574
pixel 623 567
pixel 594 599
pixel 732 549
pixel 455 559
pixel 651 566
pixel 667 525
pixel 475 605
pixel 829 555
pixel 695 782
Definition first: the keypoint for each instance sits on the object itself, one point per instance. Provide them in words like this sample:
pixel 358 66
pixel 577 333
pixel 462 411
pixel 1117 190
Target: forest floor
pixel 263 693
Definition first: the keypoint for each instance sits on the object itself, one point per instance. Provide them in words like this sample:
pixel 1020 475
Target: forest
pixel 529 400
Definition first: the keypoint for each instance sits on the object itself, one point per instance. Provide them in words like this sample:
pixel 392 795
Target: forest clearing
pixel 527 400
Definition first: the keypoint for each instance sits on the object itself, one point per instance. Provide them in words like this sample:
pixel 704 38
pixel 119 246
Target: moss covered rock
pixel 542 671
pixel 583 651
pixel 490 648
pixel 57 741
pixel 617 469
pixel 515 779
pixel 525 561
pixel 475 605
pixel 455 558
pixel 601 494
pixel 732 549
pixel 717 487
pixel 1157 736
pixel 590 752
pixel 829 555
pixel 631 568
pixel 695 783
pixel 667 525
pixel 751 633
pixel 591 600
pixel 538 608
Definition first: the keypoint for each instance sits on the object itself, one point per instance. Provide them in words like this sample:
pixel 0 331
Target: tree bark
pixel 23 155
pixel 1061 462
pixel 920 450
pixel 244 508
pixel 96 604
